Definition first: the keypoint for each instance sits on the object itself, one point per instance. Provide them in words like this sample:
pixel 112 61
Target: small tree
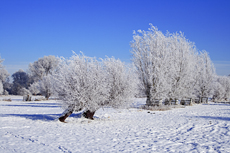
pixel 34 88
pixel 85 83
pixel 20 80
pixel 218 90
pixel 225 83
pixel 40 71
pixel 3 75
pixel 43 67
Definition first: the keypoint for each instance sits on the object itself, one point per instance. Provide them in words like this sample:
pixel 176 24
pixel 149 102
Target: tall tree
pixel 206 74
pixel 183 56
pixel 151 56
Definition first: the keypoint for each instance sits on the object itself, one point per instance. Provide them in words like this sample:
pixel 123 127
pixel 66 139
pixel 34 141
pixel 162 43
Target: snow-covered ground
pixel 33 127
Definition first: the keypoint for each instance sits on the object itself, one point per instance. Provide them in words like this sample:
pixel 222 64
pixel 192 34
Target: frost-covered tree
pixel 1 88
pixel 206 74
pixel 40 71
pixel 224 81
pixel 218 90
pixel 34 88
pixel 150 56
pixel 45 86
pixel 43 67
pixel 121 82
pixel 20 80
pixel 182 61
pixel 3 75
pixel 85 83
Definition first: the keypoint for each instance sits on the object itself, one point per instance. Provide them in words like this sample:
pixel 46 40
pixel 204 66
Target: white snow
pixel 33 127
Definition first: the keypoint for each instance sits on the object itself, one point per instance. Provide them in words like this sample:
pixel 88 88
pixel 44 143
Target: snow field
pixel 33 127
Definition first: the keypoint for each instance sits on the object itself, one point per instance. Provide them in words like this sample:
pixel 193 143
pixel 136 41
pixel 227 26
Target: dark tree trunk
pixel 66 114
pixel 88 114
pixel 147 92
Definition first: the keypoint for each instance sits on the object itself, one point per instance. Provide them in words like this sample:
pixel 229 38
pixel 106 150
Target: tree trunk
pixel 147 92
pixel 65 114
pixel 88 114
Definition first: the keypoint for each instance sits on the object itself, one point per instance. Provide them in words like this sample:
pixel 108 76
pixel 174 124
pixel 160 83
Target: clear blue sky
pixel 31 29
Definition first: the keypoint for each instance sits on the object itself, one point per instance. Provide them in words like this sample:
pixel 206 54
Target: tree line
pixel 164 67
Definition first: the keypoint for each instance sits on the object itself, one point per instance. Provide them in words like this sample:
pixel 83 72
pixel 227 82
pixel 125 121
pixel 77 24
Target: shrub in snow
pixel 24 91
pixel 27 98
pixel 5 92
pixel 34 88
pixel 85 83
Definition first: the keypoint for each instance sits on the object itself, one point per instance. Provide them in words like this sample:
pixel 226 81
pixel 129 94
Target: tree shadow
pixel 41 117
pixel 214 118
pixel 52 105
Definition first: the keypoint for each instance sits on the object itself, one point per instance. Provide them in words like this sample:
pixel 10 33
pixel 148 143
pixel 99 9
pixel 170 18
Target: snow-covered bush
pixel 34 88
pixel 85 83
pixel 24 91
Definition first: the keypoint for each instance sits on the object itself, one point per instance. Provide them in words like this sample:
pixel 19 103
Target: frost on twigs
pixel 83 82
pixel 170 67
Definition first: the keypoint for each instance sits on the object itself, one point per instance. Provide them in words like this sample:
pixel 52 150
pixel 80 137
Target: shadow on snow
pixel 41 117
pixel 214 118
pixel 35 105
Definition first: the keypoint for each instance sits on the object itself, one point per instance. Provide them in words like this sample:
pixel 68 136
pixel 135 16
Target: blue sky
pixel 31 29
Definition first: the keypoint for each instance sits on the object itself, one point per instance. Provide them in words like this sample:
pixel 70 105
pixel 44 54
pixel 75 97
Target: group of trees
pixel 170 67
pixel 164 66
pixel 35 81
